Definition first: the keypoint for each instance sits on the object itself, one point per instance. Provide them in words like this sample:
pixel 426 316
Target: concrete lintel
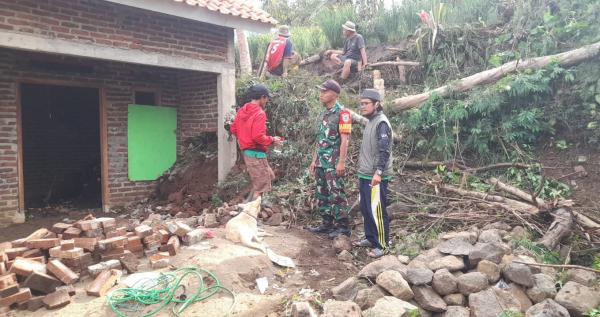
pixel 196 13
pixel 65 47
pixel 227 148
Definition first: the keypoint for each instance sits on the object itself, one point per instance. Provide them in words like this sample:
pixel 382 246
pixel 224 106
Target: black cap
pixel 331 85
pixel 257 91
pixel 372 94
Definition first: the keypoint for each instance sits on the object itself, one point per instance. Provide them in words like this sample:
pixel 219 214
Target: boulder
pixel 333 308
pixel 492 302
pixel 517 291
pixel 543 288
pixel 455 299
pixel 403 259
pixel 345 256
pixel 341 243
pixel 450 262
pixel 456 246
pixel 518 273
pixel 444 282
pixel 385 263
pixel 367 297
pixel 582 277
pixel 393 282
pixel 547 308
pixel 528 259
pixel 302 309
pixel 490 269
pixel 455 311
pixel 419 276
pixel 487 251
pixel 472 283
pixel 425 257
pixel 275 220
pixel 347 290
pixel 489 236
pixel 578 299
pixel 467 235
pixel 428 299
pixel 499 225
pixel 390 306
pixel 519 233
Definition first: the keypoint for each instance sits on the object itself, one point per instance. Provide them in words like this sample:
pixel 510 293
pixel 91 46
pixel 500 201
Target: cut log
pixel 453 165
pixel 559 229
pixel 498 166
pixel 540 203
pixel 508 203
pixel 311 60
pixel 394 63
pixel 568 58
pixel 585 221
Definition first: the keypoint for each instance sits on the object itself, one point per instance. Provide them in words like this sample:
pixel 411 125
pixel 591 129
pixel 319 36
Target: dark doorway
pixel 60 128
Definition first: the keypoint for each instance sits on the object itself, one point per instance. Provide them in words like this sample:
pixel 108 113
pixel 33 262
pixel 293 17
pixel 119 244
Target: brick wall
pixel 103 23
pixel 194 94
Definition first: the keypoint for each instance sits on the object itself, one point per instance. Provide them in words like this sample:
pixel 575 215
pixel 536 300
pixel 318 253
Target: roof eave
pixel 197 14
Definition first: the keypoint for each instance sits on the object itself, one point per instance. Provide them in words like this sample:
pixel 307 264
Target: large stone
pixel 490 269
pixel 519 233
pixel 390 306
pixel 444 282
pixel 451 263
pixel 472 283
pixel 385 263
pixel 428 299
pixel 467 235
pixel 419 276
pixel 302 309
pixel 489 236
pixel 333 308
pixel 543 287
pixel 492 302
pixel 518 273
pixel 578 299
pixel 547 308
pixel 347 290
pixel 517 291
pixel 455 311
pixel 366 298
pixel 499 225
pixel 456 246
pixel 455 299
pixel 425 257
pixel 582 277
pixel 528 259
pixel 393 282
pixel 486 251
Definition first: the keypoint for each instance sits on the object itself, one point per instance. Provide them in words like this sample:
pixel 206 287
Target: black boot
pixel 325 228
pixel 343 227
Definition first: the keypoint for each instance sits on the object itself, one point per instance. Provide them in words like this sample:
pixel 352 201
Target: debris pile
pixel 477 273
pixel 40 270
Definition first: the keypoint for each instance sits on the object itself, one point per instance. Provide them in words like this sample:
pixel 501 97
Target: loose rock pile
pixel 470 273
pixel 40 270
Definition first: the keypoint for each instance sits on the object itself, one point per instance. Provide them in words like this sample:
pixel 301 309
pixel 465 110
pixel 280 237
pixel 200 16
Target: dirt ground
pixel 237 268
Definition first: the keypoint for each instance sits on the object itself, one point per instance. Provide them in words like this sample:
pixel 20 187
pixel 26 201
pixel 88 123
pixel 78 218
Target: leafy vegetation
pixel 543 255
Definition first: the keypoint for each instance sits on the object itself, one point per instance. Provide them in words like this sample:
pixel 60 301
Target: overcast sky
pixel 388 3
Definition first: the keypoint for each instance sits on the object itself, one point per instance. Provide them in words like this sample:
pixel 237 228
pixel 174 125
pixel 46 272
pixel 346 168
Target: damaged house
pixel 97 97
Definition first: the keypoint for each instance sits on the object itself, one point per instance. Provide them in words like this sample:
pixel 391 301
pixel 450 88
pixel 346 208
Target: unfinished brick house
pixel 108 90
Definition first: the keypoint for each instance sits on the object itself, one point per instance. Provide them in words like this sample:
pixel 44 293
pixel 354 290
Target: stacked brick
pixel 40 270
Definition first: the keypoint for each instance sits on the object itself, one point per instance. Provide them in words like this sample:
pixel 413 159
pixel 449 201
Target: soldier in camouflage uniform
pixel 329 161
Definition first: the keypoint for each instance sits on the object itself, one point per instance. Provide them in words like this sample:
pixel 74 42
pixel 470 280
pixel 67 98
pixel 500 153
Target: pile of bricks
pixel 40 270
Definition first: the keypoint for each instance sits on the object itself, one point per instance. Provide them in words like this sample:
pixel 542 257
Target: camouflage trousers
pixel 332 200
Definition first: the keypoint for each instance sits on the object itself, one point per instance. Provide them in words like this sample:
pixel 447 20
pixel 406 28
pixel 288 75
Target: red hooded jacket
pixel 250 128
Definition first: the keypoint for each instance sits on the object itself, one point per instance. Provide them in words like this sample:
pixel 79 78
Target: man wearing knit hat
pixel 374 173
pixel 279 53
pixel 354 55
pixel 329 163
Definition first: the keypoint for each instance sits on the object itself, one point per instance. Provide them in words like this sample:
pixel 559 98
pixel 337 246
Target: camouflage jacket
pixel 334 123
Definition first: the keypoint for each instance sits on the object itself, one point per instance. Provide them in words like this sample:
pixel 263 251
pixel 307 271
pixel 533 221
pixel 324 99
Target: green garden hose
pixel 164 290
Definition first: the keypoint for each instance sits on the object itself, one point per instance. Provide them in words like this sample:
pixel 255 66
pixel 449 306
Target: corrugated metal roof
pixel 235 8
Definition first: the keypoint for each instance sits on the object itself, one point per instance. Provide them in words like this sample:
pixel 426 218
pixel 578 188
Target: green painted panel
pixel 152 141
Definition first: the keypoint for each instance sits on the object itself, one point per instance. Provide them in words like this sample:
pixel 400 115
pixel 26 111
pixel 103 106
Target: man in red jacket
pixel 250 129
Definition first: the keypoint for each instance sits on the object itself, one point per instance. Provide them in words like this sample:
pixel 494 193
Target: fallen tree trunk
pixel 310 60
pixel 540 203
pixel 568 58
pixel 394 63
pixel 453 165
pixel 497 166
pixel 505 202
pixel 559 229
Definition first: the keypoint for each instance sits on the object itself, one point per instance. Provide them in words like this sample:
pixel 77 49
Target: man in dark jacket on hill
pixel 250 129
